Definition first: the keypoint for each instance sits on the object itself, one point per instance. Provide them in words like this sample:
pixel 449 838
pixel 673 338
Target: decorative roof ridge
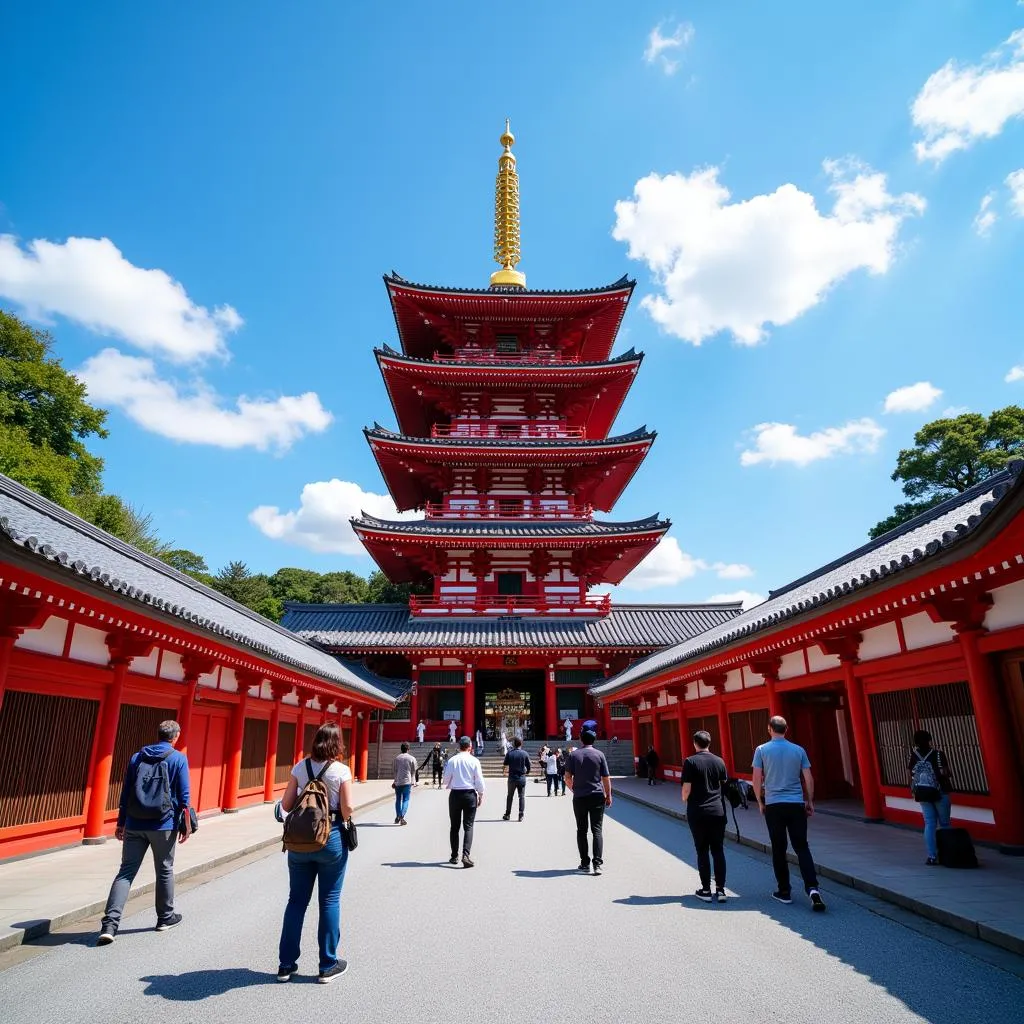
pixel 622 283
pixel 560 525
pixel 640 434
pixel 387 352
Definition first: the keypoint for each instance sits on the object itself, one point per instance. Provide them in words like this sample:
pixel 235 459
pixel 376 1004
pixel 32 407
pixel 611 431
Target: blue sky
pixel 801 188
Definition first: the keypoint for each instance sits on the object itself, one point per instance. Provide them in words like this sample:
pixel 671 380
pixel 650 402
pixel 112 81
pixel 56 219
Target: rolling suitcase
pixel 955 848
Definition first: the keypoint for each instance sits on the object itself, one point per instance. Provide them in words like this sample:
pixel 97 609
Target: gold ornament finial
pixel 506 217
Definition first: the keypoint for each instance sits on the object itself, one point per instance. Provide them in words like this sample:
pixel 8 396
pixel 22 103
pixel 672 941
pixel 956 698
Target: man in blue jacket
pixel 155 801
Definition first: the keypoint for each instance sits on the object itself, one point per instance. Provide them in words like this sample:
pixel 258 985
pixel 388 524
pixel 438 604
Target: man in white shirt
pixel 420 731
pixel 568 729
pixel 465 784
pixel 479 742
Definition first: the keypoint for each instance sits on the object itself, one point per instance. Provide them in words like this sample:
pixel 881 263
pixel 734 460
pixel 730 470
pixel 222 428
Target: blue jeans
pixel 326 868
pixel 936 816
pixel 402 800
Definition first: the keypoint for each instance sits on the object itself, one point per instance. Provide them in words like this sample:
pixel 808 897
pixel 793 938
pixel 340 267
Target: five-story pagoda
pixel 505 399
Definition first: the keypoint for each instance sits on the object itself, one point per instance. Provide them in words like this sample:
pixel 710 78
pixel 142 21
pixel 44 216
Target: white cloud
pixel 912 398
pixel 659 46
pixel 959 105
pixel 668 565
pixel 88 281
pixel 739 266
pixel 133 384
pixel 1016 373
pixel 748 597
pixel 1015 183
pixel 780 442
pixel 986 216
pixel 321 522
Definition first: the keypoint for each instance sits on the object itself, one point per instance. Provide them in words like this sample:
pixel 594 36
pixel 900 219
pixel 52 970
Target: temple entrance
pixel 818 722
pixel 513 701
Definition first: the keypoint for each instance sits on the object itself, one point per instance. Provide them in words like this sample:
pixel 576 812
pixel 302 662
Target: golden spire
pixel 506 218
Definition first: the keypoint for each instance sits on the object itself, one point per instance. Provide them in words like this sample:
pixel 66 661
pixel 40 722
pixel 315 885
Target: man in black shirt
pixel 435 758
pixel 703 777
pixel 517 767
pixel 587 775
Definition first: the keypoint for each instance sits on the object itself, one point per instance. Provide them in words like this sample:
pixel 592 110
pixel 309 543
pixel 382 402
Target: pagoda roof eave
pixel 623 284
pixel 497 532
pixel 504 446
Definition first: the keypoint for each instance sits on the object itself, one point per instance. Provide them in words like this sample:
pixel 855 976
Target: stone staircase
pixel 620 757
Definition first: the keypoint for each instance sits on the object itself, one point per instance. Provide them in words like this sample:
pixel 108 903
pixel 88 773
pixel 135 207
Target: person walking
pixel 435 758
pixel 587 775
pixel 560 757
pixel 551 772
pixel 653 761
pixel 465 784
pixel 704 775
pixel 930 785
pixel 568 728
pixel 452 729
pixel 405 769
pixel 324 867
pixel 784 789
pixel 516 767
pixel 153 814
pixel 504 743
pixel 479 743
pixel 421 731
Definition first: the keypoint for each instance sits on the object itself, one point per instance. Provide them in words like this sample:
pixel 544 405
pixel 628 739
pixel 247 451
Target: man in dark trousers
pixel 653 761
pixel 587 775
pixel 784 788
pixel 435 758
pixel 154 803
pixel 464 781
pixel 517 767
pixel 703 777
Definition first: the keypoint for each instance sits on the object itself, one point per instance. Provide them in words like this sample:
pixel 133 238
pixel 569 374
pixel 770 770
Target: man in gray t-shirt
pixel 587 775
pixel 784 788
pixel 405 779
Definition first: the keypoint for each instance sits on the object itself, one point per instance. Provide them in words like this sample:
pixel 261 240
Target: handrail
pixel 508 431
pixel 501 509
pixel 506 604
pixel 474 355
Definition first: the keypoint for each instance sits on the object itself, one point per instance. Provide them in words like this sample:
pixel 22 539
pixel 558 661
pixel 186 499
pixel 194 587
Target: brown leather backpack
pixel 308 825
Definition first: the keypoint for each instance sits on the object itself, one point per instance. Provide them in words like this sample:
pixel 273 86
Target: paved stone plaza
pixel 534 941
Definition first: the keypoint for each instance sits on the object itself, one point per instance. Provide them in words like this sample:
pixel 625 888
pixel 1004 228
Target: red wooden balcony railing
pixel 509 509
pixel 476 355
pixel 508 431
pixel 499 604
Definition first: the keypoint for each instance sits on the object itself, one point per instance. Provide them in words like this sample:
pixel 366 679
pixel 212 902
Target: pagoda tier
pixel 519 465
pixel 575 325
pixel 430 395
pixel 530 566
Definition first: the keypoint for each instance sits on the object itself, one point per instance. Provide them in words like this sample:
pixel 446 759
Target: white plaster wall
pixel 751 679
pixel 228 681
pixel 48 639
pixel 734 681
pixel 879 641
pixel 291 698
pixel 208 680
pixel 920 631
pixel 792 665
pixel 146 666
pixel 1008 606
pixel 170 666
pixel 819 661
pixel 88 644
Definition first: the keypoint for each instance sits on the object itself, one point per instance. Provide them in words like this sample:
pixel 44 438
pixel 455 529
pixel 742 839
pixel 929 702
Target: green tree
pixel 45 418
pixel 290 584
pixel 341 588
pixel 383 591
pixel 951 455
pixel 187 561
pixel 250 589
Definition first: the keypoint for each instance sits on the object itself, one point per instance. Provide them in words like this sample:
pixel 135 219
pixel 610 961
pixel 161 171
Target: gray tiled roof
pixel 359 627
pixel 623 282
pixel 377 431
pixel 908 546
pixel 83 551
pixel 509 527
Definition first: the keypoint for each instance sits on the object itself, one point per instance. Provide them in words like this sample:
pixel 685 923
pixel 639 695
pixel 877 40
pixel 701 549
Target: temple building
pixel 505 400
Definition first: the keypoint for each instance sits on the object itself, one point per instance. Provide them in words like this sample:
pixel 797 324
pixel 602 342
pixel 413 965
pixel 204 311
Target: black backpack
pixel 150 796
pixel 734 793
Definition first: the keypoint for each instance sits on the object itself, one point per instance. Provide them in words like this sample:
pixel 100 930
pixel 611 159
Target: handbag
pixel 193 821
pixel 349 835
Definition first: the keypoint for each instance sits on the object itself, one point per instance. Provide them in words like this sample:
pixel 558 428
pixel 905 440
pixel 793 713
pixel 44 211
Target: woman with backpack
pixel 930 784
pixel 324 866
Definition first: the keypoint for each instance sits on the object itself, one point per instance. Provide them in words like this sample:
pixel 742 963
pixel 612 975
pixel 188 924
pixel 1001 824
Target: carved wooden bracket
pixel 196 665
pixel 845 645
pixel 715 681
pixel 767 667
pixel 965 608
pixel 124 647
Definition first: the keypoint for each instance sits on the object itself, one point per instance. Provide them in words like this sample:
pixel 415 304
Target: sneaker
pixel 106 937
pixel 453 860
pixel 585 868
pixel 597 868
pixel 402 821
pixel 932 862
pixel 398 821
pixel 326 977
pixel 285 973
pixel 466 862
pixel 508 817
pixel 704 895
pixel 817 903
pixel 782 897
pixel 521 816
pixel 721 895
pixel 171 922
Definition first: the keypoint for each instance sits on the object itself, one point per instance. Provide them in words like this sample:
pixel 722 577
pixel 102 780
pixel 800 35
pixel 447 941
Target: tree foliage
pixel 951 455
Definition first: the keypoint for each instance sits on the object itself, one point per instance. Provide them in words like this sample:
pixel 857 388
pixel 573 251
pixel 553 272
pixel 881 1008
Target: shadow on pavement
pixel 194 985
pixel 415 863
pixel 548 873
pixel 85 938
pixel 648 901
